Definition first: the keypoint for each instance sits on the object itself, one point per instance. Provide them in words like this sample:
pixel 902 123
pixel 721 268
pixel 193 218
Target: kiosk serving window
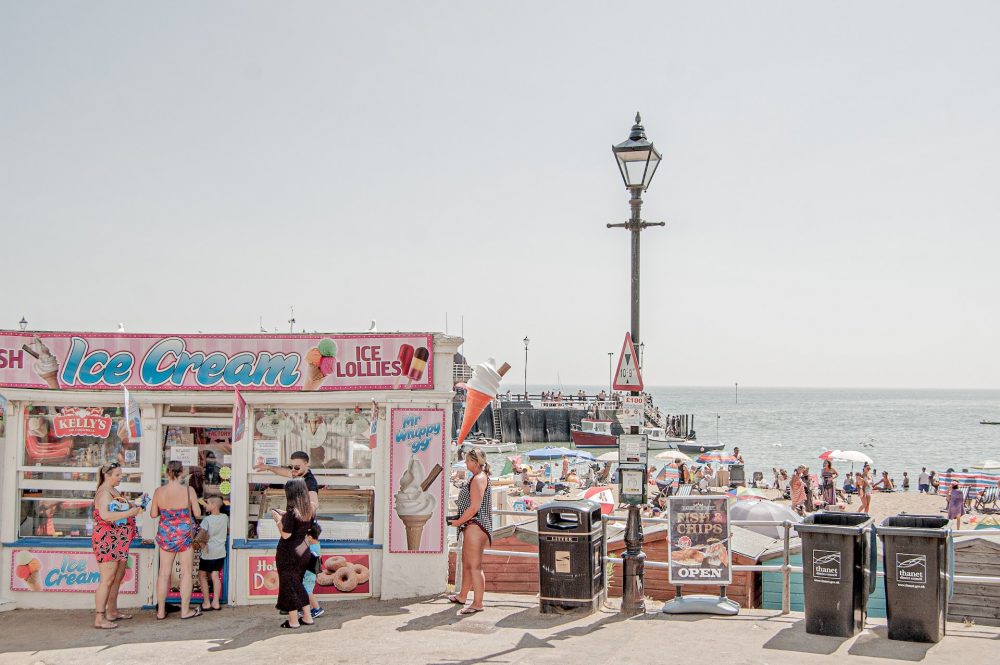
pixel 337 442
pixel 57 476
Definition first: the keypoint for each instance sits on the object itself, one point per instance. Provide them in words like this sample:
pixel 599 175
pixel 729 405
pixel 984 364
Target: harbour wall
pixel 522 423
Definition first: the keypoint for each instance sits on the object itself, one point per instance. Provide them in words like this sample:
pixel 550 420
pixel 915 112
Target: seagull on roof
pixel 121 327
pixel 372 328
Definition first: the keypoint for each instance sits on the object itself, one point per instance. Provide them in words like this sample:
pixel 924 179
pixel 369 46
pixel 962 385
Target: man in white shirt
pixel 923 481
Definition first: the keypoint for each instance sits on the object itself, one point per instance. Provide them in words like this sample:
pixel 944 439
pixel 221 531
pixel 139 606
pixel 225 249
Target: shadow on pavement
pixel 532 618
pixel 875 643
pixel 795 638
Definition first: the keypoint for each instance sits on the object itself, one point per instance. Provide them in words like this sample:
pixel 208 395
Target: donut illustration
pixel 271 580
pixel 345 580
pixel 361 572
pixel 334 563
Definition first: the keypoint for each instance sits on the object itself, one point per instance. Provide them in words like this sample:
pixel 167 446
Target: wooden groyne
pixel 520 422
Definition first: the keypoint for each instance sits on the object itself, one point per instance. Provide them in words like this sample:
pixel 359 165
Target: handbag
pixel 315 564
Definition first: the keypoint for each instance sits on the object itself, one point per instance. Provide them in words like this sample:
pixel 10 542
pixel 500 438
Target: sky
pixel 829 180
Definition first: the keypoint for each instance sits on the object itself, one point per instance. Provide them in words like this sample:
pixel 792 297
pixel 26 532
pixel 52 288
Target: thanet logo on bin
pixel 911 568
pixel 826 564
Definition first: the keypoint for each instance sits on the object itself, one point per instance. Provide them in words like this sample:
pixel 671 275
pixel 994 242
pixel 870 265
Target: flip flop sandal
pixel 471 610
pixel 453 598
pixel 195 614
pixel 288 625
pixel 121 617
pixel 208 609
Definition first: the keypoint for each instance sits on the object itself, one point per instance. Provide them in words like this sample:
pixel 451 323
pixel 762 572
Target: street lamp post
pixel 23 323
pixel 642 352
pixel 526 340
pixel 637 161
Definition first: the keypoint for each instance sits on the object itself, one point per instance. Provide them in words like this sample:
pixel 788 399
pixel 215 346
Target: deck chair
pixel 986 502
pixel 683 490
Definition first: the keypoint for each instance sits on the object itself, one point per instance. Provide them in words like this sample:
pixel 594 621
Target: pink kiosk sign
pixel 105 361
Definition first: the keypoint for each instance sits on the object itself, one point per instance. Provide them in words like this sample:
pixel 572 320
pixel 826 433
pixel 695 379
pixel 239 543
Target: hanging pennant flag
pixel 133 417
pixel 239 416
pixel 373 430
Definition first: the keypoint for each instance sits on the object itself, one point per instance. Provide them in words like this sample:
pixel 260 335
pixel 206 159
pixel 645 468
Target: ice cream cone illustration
pixel 414 529
pixel 482 389
pixel 320 361
pixel 46 366
pixel 414 503
pixel 28 568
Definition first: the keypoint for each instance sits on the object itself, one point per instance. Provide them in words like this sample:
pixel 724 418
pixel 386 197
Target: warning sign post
pixel 627 376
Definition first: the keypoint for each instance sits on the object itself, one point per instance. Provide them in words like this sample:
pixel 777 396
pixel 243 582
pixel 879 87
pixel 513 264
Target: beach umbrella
pixel 852 456
pixel 717 458
pixel 748 494
pixel 764 511
pixel 609 457
pixel 558 453
pixel 672 456
pixel 827 454
pixel 603 496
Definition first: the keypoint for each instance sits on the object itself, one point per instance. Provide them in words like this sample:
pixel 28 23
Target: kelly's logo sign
pixel 78 421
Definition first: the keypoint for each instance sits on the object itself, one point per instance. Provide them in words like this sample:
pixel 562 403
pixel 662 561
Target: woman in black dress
pixel 293 555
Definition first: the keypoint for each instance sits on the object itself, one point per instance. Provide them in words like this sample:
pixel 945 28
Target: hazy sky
pixel 830 179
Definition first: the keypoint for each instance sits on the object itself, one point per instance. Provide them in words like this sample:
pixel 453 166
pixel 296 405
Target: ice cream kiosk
pixel 370 410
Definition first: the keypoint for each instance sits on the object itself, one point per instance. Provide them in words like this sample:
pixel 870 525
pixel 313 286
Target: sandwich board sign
pixel 627 376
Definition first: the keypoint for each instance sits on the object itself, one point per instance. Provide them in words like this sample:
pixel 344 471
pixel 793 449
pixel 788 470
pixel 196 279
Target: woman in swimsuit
pixel 177 507
pixel 110 543
pixel 475 523
pixel 864 482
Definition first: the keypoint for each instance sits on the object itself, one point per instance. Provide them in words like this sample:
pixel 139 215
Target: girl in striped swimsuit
pixel 475 522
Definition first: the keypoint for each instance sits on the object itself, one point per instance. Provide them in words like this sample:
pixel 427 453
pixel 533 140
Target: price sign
pixel 633 408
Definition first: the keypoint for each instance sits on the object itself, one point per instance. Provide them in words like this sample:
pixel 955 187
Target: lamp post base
pixel 633 566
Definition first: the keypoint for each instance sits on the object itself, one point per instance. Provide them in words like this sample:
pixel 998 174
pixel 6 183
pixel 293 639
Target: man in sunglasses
pixel 299 468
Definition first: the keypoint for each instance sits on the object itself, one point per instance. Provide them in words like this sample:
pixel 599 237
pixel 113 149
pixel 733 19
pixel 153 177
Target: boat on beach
pixel 698 447
pixel 487 446
pixel 989 422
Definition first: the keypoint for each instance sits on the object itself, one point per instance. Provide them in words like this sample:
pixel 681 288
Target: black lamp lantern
pixel 637 158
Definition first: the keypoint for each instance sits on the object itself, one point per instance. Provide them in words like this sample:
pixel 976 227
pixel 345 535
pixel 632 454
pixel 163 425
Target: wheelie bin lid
pixel 845 524
pixel 925 526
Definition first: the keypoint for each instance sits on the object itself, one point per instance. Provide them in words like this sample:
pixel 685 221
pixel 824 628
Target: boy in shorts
pixel 309 579
pixel 213 554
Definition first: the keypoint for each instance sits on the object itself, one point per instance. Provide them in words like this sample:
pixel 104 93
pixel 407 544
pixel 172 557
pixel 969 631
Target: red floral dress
pixel 109 541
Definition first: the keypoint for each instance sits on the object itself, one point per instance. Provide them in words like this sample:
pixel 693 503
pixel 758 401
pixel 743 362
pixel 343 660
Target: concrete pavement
pixel 429 631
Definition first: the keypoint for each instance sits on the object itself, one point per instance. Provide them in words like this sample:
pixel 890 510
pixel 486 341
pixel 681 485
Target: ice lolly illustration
pixel 405 358
pixel 418 364
pixel 481 390
pixel 320 361
pixel 414 504
pixel 46 365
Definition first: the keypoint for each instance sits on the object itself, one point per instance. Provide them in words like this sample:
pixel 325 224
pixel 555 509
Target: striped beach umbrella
pixel 748 493
pixel 717 458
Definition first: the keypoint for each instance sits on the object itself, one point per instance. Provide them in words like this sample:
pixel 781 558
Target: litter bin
pixel 838 571
pixel 915 560
pixel 570 556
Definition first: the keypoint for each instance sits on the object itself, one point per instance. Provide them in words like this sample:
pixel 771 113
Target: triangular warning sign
pixel 627 376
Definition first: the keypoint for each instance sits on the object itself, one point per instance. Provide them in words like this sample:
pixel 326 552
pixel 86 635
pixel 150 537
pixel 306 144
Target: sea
pixel 900 429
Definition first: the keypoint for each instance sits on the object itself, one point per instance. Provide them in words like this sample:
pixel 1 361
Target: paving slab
pixel 428 630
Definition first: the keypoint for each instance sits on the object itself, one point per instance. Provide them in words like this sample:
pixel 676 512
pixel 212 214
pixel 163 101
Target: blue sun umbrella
pixel 557 453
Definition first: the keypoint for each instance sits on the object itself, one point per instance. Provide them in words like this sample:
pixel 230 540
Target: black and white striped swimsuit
pixel 484 517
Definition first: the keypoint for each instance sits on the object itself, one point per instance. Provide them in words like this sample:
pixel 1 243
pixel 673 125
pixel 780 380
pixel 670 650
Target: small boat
pixel 697 447
pixel 593 433
pixel 989 422
pixel 488 446
pixel 659 440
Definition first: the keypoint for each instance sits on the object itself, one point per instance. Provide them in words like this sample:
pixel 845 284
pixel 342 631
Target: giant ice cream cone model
pixel 482 388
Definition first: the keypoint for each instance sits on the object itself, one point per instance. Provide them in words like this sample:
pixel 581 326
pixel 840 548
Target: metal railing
pixel 786 568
